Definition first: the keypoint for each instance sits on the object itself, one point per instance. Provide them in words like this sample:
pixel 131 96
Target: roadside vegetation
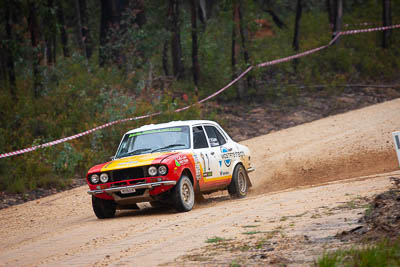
pixel 132 70
pixel 385 253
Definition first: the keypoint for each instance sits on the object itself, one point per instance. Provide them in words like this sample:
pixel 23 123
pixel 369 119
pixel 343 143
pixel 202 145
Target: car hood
pixel 136 161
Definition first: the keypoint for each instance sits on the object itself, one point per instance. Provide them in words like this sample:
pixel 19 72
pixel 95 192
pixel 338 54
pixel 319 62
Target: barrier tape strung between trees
pixel 361 24
pixel 265 64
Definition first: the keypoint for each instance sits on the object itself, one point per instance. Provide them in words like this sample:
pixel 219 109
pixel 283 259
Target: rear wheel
pixel 238 186
pixel 183 195
pixel 103 208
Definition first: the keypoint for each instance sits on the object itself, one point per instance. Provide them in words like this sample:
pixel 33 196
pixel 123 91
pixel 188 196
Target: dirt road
pixel 62 229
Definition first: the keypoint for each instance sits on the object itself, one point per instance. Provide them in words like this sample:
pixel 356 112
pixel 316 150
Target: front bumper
pixel 251 169
pixel 138 186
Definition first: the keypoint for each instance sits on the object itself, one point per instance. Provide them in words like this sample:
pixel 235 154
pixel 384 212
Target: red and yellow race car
pixel 168 164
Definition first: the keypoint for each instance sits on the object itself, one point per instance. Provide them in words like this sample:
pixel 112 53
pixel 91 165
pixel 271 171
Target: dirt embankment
pixel 62 230
pixel 348 145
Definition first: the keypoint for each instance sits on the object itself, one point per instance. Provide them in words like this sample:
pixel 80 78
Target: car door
pixel 207 156
pixel 219 147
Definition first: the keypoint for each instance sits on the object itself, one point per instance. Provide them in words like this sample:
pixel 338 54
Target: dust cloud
pixel 352 144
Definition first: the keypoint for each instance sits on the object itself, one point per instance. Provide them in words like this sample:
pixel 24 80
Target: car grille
pixel 126 174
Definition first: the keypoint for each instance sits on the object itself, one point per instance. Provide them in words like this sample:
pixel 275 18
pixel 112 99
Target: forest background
pixel 69 66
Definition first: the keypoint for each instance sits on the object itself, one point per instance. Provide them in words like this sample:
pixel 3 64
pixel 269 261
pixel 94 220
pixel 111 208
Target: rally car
pixel 169 164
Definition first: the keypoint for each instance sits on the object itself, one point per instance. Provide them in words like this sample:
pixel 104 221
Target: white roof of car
pixel 170 124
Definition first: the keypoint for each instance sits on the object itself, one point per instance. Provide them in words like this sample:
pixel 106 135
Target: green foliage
pixel 385 253
pixel 80 96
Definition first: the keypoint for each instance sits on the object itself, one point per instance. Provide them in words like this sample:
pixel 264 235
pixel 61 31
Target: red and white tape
pixel 265 64
pixel 362 24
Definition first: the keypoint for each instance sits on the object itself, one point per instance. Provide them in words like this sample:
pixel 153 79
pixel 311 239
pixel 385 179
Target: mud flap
pixel 248 181
pixel 198 196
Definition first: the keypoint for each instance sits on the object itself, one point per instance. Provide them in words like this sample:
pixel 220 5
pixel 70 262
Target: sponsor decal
pixel 223 173
pixel 177 163
pixel 198 171
pixel 229 156
pixel 220 163
pixel 177 129
pixel 213 141
pixel 182 159
pixel 207 174
pixel 224 151
pixel 197 166
pixel 204 161
pixel 128 162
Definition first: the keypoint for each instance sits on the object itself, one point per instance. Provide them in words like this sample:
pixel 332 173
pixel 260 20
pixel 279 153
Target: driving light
pixel 152 171
pixel 162 170
pixel 94 178
pixel 104 177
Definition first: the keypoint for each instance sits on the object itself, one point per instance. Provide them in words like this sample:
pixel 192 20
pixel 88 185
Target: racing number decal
pixel 206 164
pixel 206 167
pixel 204 161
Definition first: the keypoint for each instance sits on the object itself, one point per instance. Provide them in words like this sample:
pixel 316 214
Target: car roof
pixel 171 124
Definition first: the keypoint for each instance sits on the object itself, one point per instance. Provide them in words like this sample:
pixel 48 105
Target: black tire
pixel 103 208
pixel 183 195
pixel 238 186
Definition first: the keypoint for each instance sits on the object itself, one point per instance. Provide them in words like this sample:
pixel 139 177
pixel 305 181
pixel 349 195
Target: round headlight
pixel 162 170
pixel 152 171
pixel 104 177
pixel 94 178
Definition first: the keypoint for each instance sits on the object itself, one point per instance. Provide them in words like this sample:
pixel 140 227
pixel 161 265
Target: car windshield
pixel 157 140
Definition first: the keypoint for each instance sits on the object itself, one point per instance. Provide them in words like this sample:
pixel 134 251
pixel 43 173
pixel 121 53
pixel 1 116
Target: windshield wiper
pixel 166 147
pixel 137 151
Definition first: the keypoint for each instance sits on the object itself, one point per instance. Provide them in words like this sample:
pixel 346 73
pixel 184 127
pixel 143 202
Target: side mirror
pixel 112 158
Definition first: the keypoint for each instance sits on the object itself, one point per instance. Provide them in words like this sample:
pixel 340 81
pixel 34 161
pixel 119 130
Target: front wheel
pixel 238 186
pixel 183 195
pixel 103 208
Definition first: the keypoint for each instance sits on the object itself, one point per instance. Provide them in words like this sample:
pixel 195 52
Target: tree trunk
pixel 50 33
pixel 104 24
pixel 107 21
pixel 38 56
pixel 233 50
pixel 330 8
pixel 297 32
pixel 195 59
pixel 243 35
pixel 140 13
pixel 202 11
pixel 9 52
pixel 62 27
pixel 297 26
pixel 165 58
pixel 176 49
pixel 387 21
pixel 3 66
pixel 266 8
pixel 87 40
pixel 240 87
pixel 110 31
pixel 338 18
pixel 79 35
